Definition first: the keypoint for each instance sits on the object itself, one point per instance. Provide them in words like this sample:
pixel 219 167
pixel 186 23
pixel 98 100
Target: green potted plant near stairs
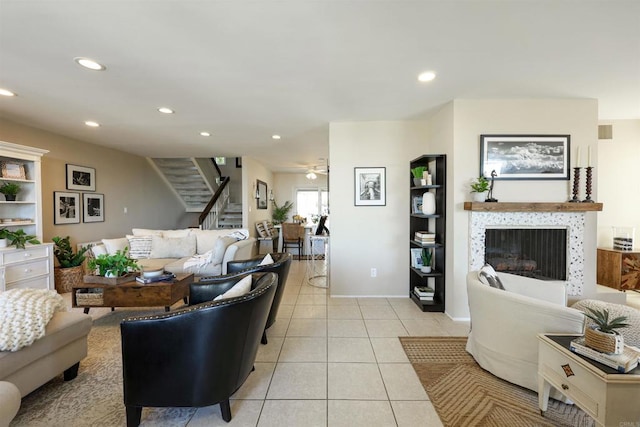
pixel 10 190
pixel 603 335
pixel 70 271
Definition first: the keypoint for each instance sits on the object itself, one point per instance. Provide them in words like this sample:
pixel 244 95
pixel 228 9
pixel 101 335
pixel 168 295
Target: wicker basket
pixel 606 343
pixel 65 278
pixel 89 297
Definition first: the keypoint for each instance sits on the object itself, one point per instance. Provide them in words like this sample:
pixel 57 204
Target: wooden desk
pixel 609 397
pixel 618 269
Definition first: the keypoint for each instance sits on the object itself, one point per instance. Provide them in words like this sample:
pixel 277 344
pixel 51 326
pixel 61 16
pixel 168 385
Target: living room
pixel 366 238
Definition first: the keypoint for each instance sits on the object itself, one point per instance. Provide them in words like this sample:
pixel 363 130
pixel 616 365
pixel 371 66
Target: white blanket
pixel 198 261
pixel 24 314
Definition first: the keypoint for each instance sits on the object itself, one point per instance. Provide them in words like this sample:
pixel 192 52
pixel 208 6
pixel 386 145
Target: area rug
pixel 464 394
pixel 94 397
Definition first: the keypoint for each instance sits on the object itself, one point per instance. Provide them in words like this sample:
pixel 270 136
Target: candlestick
pixel 578 158
pixel 588 198
pixel 576 185
pixel 589 157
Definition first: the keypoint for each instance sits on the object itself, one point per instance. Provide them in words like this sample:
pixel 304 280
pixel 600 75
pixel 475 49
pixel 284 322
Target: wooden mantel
pixel 531 207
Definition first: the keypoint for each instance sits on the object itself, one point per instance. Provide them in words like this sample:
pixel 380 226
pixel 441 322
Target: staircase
pixel 187 178
pixel 231 216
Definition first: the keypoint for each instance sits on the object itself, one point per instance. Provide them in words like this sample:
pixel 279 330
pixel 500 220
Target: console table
pixel 618 269
pixel 609 397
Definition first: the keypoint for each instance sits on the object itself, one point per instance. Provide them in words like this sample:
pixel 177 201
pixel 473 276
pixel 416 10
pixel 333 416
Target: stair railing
pixel 208 219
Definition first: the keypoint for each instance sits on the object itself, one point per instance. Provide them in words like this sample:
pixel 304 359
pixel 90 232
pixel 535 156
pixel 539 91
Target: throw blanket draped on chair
pixel 24 314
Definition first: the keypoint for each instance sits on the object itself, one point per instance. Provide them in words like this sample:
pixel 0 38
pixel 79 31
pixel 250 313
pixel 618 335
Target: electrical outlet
pixel 374 272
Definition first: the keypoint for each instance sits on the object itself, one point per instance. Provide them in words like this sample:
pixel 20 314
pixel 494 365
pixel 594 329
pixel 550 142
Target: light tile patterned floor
pixel 334 362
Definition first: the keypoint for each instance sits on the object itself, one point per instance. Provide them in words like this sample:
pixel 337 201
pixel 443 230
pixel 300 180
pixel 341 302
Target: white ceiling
pixel 244 70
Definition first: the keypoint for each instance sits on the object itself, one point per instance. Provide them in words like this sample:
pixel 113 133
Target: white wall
pixel 253 170
pixel 371 237
pixel 287 184
pixel 618 175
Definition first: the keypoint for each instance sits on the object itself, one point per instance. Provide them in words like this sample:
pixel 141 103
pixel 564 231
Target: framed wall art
pixel 66 207
pixel 261 194
pixel 81 178
pixel 370 186
pixel 529 157
pixel 13 170
pixel 92 207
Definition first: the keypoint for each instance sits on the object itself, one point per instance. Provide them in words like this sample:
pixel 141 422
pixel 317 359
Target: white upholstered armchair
pixel 504 324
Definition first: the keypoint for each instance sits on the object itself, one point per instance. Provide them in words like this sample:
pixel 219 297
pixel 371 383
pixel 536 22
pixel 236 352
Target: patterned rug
pixel 466 395
pixel 94 397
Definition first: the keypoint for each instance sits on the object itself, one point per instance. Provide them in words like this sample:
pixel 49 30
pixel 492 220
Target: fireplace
pixel 540 253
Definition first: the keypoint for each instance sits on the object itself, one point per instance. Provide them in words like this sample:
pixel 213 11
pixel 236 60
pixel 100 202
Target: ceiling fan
pixel 313 172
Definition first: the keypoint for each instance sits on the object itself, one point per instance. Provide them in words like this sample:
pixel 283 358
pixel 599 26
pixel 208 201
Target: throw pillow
pixel 146 232
pixel 220 247
pixel 241 288
pixel 488 276
pixel 114 245
pixel 176 233
pixel 162 247
pixel 139 246
pixel 268 259
pixel 98 250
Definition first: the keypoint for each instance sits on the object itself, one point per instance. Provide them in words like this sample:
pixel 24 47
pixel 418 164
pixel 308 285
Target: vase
pixel 416 182
pixel 428 203
pixel 604 342
pixel 4 243
pixel 10 197
pixel 480 197
pixel 425 269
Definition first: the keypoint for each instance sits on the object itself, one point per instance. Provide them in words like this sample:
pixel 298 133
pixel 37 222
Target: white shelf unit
pixel 26 211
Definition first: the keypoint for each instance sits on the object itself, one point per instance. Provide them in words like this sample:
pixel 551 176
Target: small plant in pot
pixel 603 335
pixel 480 188
pixel 417 174
pixel 281 213
pixel 18 238
pixel 426 256
pixel 116 265
pixel 70 271
pixel 10 190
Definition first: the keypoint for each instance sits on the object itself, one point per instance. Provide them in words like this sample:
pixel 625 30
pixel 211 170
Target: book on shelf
pixel 424 235
pixel 160 278
pixel 425 293
pixel 623 363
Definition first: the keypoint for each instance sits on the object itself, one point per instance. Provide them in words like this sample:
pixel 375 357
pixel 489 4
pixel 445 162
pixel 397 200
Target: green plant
pixel 426 256
pixel 64 252
pixel 418 171
pixel 4 233
pixel 281 213
pixel 480 185
pixel 601 319
pixel 114 265
pixel 9 189
pixel 19 238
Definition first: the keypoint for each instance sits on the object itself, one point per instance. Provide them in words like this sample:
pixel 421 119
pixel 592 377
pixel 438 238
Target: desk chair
pixel 292 236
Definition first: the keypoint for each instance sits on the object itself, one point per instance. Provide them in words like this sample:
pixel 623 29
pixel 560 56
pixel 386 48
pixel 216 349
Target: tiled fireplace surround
pixel 573 222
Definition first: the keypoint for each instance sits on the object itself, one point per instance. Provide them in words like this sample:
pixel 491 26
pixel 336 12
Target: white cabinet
pixel 31 267
pixel 21 165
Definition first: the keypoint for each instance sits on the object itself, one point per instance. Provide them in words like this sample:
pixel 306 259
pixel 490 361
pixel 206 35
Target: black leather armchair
pixel 202 291
pixel 196 356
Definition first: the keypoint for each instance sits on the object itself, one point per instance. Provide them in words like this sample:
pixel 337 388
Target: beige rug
pixel 466 395
pixel 94 397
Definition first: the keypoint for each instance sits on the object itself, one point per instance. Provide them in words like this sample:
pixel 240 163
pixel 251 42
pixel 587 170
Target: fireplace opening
pixel 533 252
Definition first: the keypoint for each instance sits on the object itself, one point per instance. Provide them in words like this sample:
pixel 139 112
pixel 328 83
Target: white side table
pixel 609 397
pixel 318 261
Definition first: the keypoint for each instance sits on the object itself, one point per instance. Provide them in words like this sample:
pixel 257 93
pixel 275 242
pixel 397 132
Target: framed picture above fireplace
pixel 530 157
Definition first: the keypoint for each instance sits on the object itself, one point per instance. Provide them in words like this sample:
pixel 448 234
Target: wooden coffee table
pixel 132 294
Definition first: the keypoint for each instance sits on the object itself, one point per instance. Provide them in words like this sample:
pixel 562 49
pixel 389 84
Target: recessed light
pixel 92 124
pixel 275 136
pixel 89 63
pixel 6 92
pixel 205 134
pixel 165 110
pixel 427 76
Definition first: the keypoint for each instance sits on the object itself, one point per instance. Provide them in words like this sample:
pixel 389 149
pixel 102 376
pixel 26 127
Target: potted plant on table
pixel 480 187
pixel 10 190
pixel 113 269
pixel 426 256
pixel 70 271
pixel 281 213
pixel 603 335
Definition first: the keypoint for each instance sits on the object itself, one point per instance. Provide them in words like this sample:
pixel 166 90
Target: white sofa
pixel 202 252
pixel 9 402
pixel 505 323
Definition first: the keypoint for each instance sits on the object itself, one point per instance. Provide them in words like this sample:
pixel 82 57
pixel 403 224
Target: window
pixel 221 161
pixel 312 202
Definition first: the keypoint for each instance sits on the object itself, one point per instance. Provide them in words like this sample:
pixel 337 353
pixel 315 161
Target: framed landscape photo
pixel 81 178
pixel 92 207
pixel 370 186
pixel 66 207
pixel 530 157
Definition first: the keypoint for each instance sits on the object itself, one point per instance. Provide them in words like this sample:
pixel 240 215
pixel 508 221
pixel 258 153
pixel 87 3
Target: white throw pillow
pixel 488 276
pixel 98 250
pixel 139 246
pixel 268 259
pixel 241 288
pixel 176 233
pixel 162 247
pixel 146 232
pixel 219 249
pixel 114 245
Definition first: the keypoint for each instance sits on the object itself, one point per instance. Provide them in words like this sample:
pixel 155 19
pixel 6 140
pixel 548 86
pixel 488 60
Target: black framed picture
pixel 81 178
pixel 530 157
pixel 261 194
pixel 370 186
pixel 66 207
pixel 92 207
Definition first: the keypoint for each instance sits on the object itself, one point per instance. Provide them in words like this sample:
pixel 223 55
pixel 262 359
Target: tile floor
pixel 334 362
